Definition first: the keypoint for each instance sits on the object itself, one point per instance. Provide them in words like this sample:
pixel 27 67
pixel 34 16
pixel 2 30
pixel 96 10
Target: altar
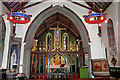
pixel 58 68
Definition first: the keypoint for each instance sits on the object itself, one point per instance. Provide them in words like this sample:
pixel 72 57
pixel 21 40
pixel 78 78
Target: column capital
pixel 28 47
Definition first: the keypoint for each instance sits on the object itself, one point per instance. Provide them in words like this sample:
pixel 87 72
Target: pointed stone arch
pixel 2 37
pixel 39 19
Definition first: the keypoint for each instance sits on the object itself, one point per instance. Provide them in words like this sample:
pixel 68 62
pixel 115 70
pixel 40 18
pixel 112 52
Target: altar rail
pixel 40 64
pixel 40 61
pixel 55 76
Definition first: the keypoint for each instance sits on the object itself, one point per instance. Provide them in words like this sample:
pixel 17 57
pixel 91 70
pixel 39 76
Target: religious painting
pixel 97 66
pixel 100 65
pixel 105 65
pixel 57 62
pixel 13 58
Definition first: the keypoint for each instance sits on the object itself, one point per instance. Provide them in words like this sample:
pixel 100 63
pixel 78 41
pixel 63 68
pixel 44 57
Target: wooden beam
pixel 50 18
pixel 92 6
pixel 69 28
pixel 22 6
pixel 15 5
pixel 45 28
pixel 107 5
pixel 19 6
pixel 96 4
pixel 11 3
pixel 100 3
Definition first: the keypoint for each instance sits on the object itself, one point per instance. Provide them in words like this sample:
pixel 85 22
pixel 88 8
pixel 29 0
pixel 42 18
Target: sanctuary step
pixel 10 75
pixel 107 78
pixel 55 75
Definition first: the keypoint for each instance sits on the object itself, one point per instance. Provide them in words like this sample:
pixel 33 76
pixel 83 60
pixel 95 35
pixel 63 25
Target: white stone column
pixel 26 61
pixel 6 44
pixel 89 64
pixel 118 35
pixel 1 47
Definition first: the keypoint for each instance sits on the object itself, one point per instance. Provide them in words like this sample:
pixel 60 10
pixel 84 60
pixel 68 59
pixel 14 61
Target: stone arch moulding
pixel 2 38
pixel 40 18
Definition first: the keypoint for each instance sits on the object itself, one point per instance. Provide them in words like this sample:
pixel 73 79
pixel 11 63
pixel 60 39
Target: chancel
pixel 66 39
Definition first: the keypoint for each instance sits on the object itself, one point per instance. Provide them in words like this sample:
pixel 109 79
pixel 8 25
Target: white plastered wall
pixel 112 13
pixel 97 49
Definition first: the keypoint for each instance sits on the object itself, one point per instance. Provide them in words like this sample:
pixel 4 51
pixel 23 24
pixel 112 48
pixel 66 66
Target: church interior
pixel 60 39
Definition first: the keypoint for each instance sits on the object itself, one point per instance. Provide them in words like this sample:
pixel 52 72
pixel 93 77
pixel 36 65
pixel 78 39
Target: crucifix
pixel 57 45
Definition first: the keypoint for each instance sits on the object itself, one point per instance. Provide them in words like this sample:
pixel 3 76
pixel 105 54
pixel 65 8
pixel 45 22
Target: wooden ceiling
pixel 51 21
pixel 94 5
pixel 18 5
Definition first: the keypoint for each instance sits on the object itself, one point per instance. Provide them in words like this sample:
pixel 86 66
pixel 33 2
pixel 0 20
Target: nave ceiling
pixel 18 5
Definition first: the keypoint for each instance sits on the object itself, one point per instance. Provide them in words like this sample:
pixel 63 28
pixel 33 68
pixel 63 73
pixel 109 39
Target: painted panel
pixel 100 65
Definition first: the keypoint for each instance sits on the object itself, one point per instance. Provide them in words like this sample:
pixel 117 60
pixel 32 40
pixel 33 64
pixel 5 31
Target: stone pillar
pixel 26 61
pixel 89 64
pixel 1 54
pixel 118 35
pixel 86 59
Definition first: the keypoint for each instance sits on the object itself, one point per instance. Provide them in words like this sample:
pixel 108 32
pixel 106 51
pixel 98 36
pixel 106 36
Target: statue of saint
pixel 13 59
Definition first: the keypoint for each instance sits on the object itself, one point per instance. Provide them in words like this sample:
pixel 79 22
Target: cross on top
pixel 57 46
pixel 57 27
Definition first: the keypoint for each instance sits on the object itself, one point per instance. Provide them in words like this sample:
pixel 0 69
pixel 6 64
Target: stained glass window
pixel 49 41
pixel 111 36
pixel 57 37
pixel 65 42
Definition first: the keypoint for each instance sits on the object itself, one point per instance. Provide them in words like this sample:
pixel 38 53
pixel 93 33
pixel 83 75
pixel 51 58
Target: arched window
pixel 111 37
pixel 49 42
pixel 65 41
pixel 57 34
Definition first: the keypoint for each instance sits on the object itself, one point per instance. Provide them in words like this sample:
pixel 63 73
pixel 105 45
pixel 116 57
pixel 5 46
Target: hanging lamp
pixel 95 18
pixel 18 17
